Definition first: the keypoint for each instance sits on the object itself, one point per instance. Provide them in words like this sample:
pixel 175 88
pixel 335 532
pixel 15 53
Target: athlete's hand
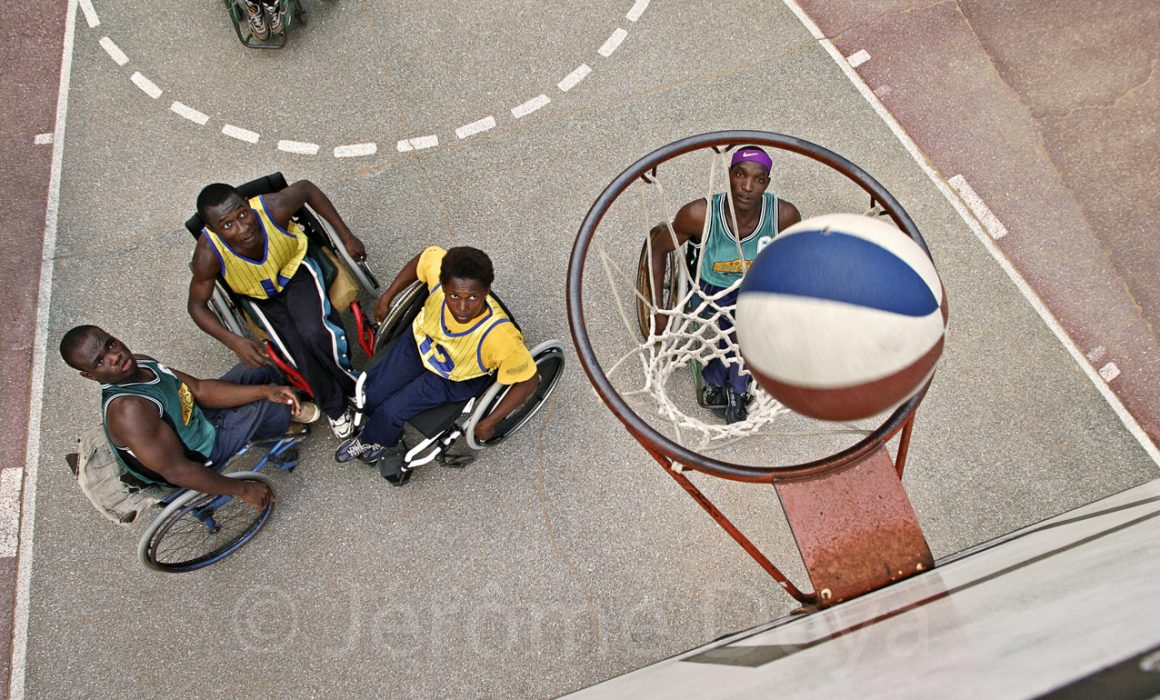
pixel 356 248
pixel 256 493
pixel 250 352
pixel 484 431
pixel 283 394
pixel 382 307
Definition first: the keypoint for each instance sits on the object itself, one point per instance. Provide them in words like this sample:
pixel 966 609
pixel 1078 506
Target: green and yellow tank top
pixel 282 252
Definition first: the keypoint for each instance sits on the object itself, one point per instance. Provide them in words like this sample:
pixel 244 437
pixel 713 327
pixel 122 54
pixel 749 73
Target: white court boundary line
pixel 39 345
pixel 1036 303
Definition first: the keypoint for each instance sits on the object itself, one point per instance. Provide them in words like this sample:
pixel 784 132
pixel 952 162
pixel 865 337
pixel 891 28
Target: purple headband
pixel 753 154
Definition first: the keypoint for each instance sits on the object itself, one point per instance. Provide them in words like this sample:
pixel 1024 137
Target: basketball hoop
pixel 893 542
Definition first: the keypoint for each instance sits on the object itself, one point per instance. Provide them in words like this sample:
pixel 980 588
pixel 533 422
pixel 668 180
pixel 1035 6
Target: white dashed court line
pixel 637 10
pixel 476 127
pixel 356 149
pixel 43 139
pixel 530 106
pixel 574 77
pixel 858 58
pixel 241 134
pixel 418 143
pixel 978 207
pixel 612 43
pixel 189 113
pixel 90 13
pixel 301 147
pixel 9 510
pixel 113 50
pixel 147 86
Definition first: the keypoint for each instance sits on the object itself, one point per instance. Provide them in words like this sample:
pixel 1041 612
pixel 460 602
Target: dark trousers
pixel 253 421
pixel 313 332
pixel 400 387
pixel 718 373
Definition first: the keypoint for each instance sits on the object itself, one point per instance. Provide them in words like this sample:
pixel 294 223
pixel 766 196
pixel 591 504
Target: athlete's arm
pixel 409 274
pixel 205 272
pixel 214 393
pixel 134 422
pixel 787 215
pixel 515 397
pixel 687 225
pixel 281 206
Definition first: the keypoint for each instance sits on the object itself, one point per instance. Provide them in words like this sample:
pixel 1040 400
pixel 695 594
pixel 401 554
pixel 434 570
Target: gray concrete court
pixel 564 556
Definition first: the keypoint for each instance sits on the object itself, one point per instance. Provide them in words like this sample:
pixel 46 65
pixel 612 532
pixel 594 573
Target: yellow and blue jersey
pixel 282 253
pixel 488 344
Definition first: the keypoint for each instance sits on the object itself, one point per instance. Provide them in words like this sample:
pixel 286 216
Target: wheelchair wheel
pixel 671 286
pixel 362 273
pixel 227 312
pixel 549 357
pixel 199 529
pixel 405 307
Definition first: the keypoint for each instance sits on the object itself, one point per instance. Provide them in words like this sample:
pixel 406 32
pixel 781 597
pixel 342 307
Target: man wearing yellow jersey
pixel 459 342
pixel 260 253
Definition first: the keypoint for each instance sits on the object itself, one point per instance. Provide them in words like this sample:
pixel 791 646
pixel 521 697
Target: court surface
pixel 564 556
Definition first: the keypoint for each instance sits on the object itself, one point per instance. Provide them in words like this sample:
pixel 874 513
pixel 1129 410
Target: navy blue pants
pixel 253 421
pixel 715 372
pixel 400 387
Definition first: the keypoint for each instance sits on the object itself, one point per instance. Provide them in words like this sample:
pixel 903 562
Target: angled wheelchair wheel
pixel 549 357
pixel 672 286
pixel 362 273
pixel 198 529
pixel 226 310
pixel 404 308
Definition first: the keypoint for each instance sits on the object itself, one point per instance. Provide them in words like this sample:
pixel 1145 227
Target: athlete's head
pixel 226 212
pixel 749 176
pixel 97 355
pixel 466 275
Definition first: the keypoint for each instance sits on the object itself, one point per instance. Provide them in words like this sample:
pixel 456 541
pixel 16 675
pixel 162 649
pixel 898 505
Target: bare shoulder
pixel 787 214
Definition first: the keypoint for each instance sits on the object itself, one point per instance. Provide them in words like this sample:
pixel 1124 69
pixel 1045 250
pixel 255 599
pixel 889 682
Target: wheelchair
pixel 291 11
pixel 447 433
pixel 193 529
pixel 344 278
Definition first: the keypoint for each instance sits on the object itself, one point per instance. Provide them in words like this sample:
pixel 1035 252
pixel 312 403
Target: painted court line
pixel 113 50
pixel 302 147
pixel 39 353
pixel 147 86
pixel 1020 283
pixel 476 127
pixel 417 144
pixel 613 42
pixel 43 139
pixel 858 58
pixel 90 13
pixel 574 77
pixel 241 134
pixel 189 113
pixel 356 149
pixel 530 106
pixel 978 207
pixel 637 10
pixel 9 510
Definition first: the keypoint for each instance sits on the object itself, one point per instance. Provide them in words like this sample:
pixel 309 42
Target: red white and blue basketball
pixel 841 317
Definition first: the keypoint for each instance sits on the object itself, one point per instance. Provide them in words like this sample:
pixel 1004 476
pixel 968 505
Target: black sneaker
pixel 352 448
pixel 713 396
pixel 737 408
pixel 391 463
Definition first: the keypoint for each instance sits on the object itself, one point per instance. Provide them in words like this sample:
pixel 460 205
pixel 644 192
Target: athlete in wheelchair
pixel 266 261
pixel 450 362
pixel 165 439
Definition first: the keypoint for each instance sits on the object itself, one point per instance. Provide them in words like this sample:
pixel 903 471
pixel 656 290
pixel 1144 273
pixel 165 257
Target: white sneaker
pixel 308 412
pixel 343 426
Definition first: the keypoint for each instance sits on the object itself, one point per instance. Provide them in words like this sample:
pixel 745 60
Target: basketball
pixel 841 317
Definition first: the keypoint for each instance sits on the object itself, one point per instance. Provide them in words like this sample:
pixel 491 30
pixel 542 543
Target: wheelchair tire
pixel 362 273
pixel 404 308
pixel 226 311
pixel 549 357
pixel 672 287
pixel 180 540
